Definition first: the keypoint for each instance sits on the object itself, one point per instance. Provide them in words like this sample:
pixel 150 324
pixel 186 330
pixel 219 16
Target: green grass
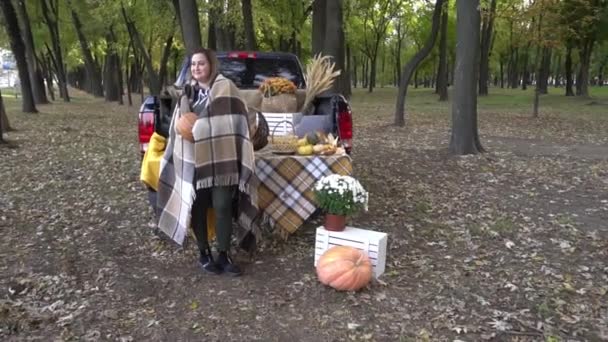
pixel 423 102
pixel 422 207
pixel 503 225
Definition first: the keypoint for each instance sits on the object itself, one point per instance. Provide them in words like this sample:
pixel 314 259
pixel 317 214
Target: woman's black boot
pixel 207 263
pixel 225 263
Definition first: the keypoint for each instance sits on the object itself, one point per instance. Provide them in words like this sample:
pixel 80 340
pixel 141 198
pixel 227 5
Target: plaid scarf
pixel 222 155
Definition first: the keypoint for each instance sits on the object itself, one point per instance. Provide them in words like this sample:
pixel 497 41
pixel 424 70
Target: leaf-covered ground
pixel 510 245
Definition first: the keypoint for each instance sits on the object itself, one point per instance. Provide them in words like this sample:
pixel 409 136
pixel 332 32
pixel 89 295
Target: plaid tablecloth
pixel 286 182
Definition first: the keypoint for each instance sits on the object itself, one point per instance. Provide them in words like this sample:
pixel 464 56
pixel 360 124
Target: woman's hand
pixel 184 126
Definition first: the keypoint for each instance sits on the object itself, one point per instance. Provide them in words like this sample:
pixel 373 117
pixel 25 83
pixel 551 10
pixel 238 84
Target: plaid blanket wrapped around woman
pixel 221 155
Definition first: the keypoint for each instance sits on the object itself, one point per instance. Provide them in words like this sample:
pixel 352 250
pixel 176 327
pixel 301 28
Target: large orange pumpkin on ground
pixel 344 268
pixel 184 125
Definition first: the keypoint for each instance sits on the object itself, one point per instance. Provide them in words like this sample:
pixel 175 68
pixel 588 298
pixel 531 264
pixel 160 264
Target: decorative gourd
pixel 344 268
pixel 184 125
pixel 312 138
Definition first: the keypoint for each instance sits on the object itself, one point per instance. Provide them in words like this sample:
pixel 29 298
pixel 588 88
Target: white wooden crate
pixel 274 119
pixel 373 243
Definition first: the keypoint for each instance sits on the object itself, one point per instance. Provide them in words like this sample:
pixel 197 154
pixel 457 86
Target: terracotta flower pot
pixel 335 223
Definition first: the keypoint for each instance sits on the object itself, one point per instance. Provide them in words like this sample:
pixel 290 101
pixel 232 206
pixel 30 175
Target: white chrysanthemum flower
pixel 343 194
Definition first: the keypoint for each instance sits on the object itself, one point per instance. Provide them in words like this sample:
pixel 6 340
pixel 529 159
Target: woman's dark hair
pixel 211 58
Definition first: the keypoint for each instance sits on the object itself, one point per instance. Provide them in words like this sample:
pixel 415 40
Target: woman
pixel 208 165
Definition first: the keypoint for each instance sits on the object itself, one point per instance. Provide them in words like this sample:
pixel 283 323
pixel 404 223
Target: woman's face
pixel 200 68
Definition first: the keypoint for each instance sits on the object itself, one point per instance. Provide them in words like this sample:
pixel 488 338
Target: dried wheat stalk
pixel 319 77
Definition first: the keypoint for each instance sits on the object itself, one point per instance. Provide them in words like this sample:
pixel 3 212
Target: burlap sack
pixel 282 103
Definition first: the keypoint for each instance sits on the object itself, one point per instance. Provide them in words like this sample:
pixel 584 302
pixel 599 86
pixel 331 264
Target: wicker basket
pixel 287 144
pixel 260 137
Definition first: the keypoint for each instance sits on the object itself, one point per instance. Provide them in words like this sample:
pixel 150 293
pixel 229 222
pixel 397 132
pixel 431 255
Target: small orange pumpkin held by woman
pixel 184 125
pixel 344 268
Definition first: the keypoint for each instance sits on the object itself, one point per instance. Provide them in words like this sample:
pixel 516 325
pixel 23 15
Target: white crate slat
pixel 373 261
pixel 348 241
pixel 373 256
pixel 274 118
pixel 372 242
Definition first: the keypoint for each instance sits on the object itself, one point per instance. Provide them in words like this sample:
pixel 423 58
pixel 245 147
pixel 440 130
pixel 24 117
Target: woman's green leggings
pixel 220 199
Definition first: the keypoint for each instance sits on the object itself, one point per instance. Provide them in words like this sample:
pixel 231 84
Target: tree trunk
pixel 4 124
pixel 398 52
pixel 50 12
pixel 211 38
pixel 30 54
pixel 191 32
pixel 283 44
pixel 579 77
pixel 536 100
pixel 164 61
pixel 77 77
pixel 111 69
pixel 525 79
pixel 372 74
pixel 2 116
pixel 568 71
pixel 413 63
pixel 502 74
pixel 558 72
pixel 355 78
pixel 229 28
pixel 512 68
pixel 442 72
pixel 48 73
pixel 465 136
pixel 18 48
pixel 128 76
pixel 120 81
pixel 138 43
pixel 538 65
pixel 224 33
pixel 319 24
pixel 334 45
pixel 92 69
pixel 178 15
pixel 293 42
pixel 364 73
pixel 545 68
pixel 250 43
pixel 486 39
pixel 349 65
pixel 582 82
pixel 511 64
pixel 383 56
pixel 39 79
pixel 600 71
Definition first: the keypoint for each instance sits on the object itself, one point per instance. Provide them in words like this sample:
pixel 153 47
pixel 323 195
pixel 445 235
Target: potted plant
pixel 279 95
pixel 339 196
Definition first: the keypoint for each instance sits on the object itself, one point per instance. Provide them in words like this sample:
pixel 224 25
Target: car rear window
pixel 249 73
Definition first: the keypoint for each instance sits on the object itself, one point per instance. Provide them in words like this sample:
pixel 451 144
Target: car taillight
pixel 241 54
pixel 345 127
pixel 145 129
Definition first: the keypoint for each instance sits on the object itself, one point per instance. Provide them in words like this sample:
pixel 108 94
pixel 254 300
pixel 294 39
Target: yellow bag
pixel 150 165
pixel 210 224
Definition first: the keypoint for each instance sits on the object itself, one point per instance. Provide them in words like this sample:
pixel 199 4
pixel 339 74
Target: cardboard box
pixel 372 242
